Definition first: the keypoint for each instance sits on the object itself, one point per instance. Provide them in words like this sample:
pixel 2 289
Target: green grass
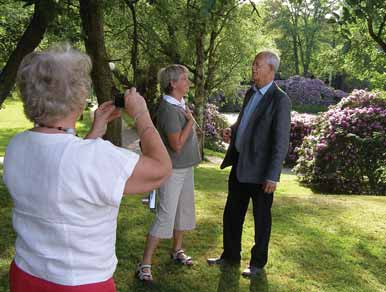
pixel 318 242
pixel 13 121
pixel 209 152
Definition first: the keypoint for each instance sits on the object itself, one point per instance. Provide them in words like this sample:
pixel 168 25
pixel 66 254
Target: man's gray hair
pixel 168 74
pixel 53 83
pixel 272 58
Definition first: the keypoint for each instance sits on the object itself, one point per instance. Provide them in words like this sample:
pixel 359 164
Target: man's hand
pixel 227 135
pixel 104 114
pixel 269 186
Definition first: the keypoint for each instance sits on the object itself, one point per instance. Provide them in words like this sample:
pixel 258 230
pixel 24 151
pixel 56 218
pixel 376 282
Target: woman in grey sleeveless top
pixel 175 208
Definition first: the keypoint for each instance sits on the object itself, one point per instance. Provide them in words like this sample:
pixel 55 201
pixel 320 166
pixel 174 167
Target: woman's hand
pixel 188 113
pixel 135 104
pixel 104 114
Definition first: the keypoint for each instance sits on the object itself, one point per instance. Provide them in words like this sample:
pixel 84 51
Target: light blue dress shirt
pixel 249 109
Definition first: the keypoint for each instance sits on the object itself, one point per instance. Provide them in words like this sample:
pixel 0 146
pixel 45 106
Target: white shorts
pixel 175 207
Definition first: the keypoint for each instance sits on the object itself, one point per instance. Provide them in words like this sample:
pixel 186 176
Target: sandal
pixel 142 275
pixel 180 257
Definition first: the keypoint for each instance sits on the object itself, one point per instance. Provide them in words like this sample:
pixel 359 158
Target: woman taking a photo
pixel 66 190
pixel 175 208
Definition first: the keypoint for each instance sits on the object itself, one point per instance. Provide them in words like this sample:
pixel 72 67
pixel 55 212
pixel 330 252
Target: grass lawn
pixel 318 242
pixel 13 121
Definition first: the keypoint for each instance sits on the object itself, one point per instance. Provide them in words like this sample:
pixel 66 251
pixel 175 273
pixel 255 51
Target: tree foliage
pixel 322 39
pixel 215 39
pixel 212 38
pixel 13 21
pixel 44 12
pixel 372 13
pixel 298 27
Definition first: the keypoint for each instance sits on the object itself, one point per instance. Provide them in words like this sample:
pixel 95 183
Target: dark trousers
pixel 239 195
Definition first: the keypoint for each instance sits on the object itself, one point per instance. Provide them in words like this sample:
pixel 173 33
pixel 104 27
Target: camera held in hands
pixel 119 99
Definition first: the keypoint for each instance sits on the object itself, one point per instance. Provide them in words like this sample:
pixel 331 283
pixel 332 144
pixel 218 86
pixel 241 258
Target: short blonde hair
pixel 53 83
pixel 168 74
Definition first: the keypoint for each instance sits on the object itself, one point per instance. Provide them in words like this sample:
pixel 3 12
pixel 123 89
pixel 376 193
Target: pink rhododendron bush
pixel 301 126
pixel 302 90
pixel 214 122
pixel 346 150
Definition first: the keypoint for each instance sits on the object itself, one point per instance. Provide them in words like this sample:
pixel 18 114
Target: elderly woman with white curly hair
pixel 67 190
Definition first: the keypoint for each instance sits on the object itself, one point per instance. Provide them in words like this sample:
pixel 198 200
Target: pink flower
pixel 321 146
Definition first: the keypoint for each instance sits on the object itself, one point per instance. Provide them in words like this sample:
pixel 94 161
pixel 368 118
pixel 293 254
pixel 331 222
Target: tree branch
pixel 110 33
pixel 226 76
pixel 378 40
pixel 254 8
pixel 379 34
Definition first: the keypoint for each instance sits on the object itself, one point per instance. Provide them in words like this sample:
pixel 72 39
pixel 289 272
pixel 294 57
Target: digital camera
pixel 119 99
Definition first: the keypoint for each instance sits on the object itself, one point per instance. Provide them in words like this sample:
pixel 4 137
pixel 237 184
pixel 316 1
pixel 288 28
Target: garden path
pixel 130 140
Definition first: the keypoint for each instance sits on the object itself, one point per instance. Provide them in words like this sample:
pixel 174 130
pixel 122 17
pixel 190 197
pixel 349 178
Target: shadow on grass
pixel 133 227
pixel 259 283
pixel 321 255
pixel 328 189
pixel 302 241
pixel 372 263
pixel 229 278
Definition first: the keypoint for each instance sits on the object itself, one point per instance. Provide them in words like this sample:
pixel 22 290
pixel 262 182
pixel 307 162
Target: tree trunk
pixel 91 12
pixel 199 83
pixel 211 64
pixel 134 49
pixel 296 54
pixel 147 86
pixel 45 12
pixel 302 57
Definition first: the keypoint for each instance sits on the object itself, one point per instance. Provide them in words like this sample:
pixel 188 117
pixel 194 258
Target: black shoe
pixel 251 271
pixel 215 261
pixel 222 262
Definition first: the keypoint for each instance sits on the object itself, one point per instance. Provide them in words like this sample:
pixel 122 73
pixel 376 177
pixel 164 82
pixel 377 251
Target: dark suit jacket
pixel 266 138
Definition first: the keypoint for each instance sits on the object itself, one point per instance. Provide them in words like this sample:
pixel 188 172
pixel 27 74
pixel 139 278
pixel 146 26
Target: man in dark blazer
pixel 258 146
